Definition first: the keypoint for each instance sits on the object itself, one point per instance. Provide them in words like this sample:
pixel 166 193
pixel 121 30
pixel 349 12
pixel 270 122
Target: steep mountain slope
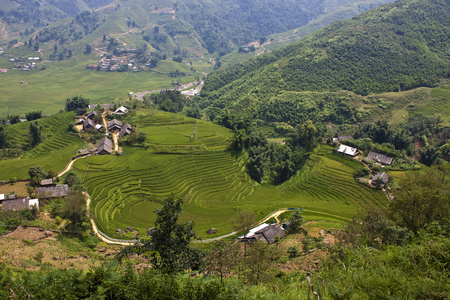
pixel 394 47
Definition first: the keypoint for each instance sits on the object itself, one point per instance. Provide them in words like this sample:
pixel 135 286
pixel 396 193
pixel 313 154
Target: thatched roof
pixel 377 157
pixel 56 191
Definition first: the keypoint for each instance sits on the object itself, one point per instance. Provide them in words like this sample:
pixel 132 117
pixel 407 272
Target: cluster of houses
pixel 116 63
pixel 25 67
pixel 379 179
pixel 48 190
pixel 105 145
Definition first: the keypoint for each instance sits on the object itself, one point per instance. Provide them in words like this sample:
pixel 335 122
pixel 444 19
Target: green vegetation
pixel 126 189
pixel 53 153
pixel 390 48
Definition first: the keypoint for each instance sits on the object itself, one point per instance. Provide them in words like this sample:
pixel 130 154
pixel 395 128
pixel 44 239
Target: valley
pixel 282 149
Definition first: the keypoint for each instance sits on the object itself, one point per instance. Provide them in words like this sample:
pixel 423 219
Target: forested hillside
pixel 398 46
pixel 225 25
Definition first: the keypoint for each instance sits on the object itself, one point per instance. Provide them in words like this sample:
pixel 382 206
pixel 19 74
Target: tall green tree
pixel 422 199
pixel 170 242
pixel 35 132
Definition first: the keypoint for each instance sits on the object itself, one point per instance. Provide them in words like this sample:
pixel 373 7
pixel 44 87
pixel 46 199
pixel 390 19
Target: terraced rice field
pixel 440 103
pixel 126 189
pixel 53 153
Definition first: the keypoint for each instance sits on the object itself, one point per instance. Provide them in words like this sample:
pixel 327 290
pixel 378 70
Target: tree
pixel 36 173
pixel 243 221
pixel 222 257
pixel 88 49
pixel 35 131
pixel 170 240
pixel 74 209
pixel 422 199
pixel 307 135
pixel 76 102
pixel 295 222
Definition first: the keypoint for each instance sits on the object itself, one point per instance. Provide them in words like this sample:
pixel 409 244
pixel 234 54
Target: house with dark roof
pixel 114 125
pixel 105 146
pixel 56 191
pixel 126 130
pixel 344 138
pixel 380 179
pixel 264 232
pixel 19 204
pixel 89 125
pixel 79 121
pixel 92 115
pixel 380 158
pixel 108 105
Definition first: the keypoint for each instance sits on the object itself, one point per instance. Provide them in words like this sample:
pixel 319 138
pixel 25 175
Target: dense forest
pixel 394 47
pixel 40 13
pixel 246 21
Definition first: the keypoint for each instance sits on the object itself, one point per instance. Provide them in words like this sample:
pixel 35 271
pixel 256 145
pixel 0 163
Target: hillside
pixel 394 47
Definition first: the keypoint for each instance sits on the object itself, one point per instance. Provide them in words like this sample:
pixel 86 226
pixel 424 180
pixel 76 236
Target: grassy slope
pixel 126 189
pixel 52 154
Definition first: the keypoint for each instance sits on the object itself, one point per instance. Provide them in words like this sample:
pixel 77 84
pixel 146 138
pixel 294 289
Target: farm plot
pixel 126 189
pixel 126 196
pixel 53 153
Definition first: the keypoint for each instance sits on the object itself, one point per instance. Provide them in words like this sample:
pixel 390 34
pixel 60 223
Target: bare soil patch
pixel 19 188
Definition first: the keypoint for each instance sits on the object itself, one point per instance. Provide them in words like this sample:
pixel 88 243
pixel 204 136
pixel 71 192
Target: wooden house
pixel 114 125
pixel 105 146
pixel 126 130
pixel 19 204
pixel 88 125
pixel 264 232
pixel 380 158
pixel 92 115
pixel 47 182
pixel 380 179
pixel 57 191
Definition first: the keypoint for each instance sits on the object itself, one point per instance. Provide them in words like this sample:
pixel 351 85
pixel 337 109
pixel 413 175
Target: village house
pixel 88 125
pixel 107 106
pixel 380 158
pixel 380 179
pixel 79 121
pixel 121 111
pixel 264 232
pixel 348 150
pixel 92 115
pixel 105 146
pixel 19 204
pixel 114 125
pixel 126 130
pixel 47 182
pixel 52 192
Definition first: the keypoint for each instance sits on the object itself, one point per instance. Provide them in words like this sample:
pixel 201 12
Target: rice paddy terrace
pixel 126 189
pixel 53 153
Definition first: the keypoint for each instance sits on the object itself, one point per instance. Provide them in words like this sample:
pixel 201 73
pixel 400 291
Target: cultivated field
pixel 52 154
pixel 126 189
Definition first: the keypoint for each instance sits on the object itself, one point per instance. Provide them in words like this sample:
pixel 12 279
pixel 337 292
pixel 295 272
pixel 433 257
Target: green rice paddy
pixel 52 154
pixel 126 189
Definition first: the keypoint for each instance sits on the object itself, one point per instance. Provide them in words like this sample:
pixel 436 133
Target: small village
pixel 95 121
